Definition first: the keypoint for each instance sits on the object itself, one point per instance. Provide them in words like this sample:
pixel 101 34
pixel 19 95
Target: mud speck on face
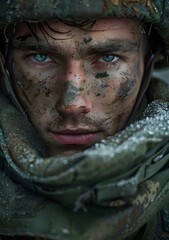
pixel 71 92
pixel 125 87
pixel 105 85
pixel 102 75
pixel 87 39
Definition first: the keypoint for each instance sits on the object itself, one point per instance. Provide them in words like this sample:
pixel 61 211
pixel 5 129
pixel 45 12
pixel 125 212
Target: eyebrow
pixel 36 45
pixel 114 45
pixel 110 45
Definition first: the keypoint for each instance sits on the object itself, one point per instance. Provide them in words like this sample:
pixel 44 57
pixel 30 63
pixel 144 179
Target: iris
pixel 39 57
pixel 108 58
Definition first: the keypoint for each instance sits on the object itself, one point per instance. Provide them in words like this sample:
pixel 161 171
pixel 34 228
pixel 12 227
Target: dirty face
pixel 77 85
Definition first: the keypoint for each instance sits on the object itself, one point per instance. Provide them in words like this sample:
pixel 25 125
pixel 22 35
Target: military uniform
pixel 117 189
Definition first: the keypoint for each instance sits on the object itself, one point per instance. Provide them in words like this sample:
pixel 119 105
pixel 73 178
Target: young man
pixel 78 85
pixel 72 166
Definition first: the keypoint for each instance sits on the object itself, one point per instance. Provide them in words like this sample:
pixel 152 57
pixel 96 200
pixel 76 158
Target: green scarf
pixel 108 192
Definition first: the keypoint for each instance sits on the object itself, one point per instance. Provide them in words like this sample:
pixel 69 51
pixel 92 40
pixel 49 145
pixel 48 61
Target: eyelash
pixel 96 60
pixel 115 60
pixel 31 56
pixel 41 54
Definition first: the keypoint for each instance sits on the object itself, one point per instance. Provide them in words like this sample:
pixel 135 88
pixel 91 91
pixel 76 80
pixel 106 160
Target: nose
pixel 74 98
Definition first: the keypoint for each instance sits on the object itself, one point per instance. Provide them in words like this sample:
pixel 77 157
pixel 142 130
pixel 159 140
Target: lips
pixel 75 137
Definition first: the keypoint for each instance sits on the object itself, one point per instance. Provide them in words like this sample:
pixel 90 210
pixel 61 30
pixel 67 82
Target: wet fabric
pixel 112 189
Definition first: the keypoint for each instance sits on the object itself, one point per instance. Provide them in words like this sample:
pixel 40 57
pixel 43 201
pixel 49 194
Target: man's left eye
pixel 108 58
pixel 39 57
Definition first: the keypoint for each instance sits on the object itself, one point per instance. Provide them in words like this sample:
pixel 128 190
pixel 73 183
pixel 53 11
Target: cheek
pixel 37 95
pixel 116 88
pixel 115 96
pixel 31 87
pixel 126 89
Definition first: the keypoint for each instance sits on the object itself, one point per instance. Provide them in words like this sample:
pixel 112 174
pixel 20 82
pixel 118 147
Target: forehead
pixel 116 26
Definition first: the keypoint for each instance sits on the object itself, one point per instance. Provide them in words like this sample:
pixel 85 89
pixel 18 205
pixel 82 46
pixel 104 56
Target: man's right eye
pixel 40 57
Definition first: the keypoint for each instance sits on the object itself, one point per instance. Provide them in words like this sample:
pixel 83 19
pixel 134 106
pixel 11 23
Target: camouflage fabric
pixel 113 202
pixel 38 10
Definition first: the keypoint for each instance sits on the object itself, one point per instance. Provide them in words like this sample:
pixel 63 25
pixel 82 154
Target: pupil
pixel 108 58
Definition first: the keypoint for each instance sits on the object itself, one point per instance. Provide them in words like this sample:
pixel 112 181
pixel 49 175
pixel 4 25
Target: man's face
pixel 78 85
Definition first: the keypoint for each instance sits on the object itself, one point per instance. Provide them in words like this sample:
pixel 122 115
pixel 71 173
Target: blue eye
pixel 108 58
pixel 39 57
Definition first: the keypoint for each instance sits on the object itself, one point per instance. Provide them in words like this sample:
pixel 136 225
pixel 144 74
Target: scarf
pixel 109 191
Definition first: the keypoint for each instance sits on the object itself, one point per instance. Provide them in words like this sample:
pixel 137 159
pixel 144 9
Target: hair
pixel 7 31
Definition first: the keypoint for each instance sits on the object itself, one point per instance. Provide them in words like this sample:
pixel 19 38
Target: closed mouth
pixel 75 137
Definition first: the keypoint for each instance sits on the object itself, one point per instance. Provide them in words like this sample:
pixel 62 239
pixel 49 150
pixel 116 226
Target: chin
pixel 65 153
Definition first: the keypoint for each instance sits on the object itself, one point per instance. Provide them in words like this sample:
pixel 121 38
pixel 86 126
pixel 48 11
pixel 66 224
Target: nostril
pixel 84 109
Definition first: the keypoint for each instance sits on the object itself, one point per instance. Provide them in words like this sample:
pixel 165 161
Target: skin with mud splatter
pixel 78 84
pixel 87 39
